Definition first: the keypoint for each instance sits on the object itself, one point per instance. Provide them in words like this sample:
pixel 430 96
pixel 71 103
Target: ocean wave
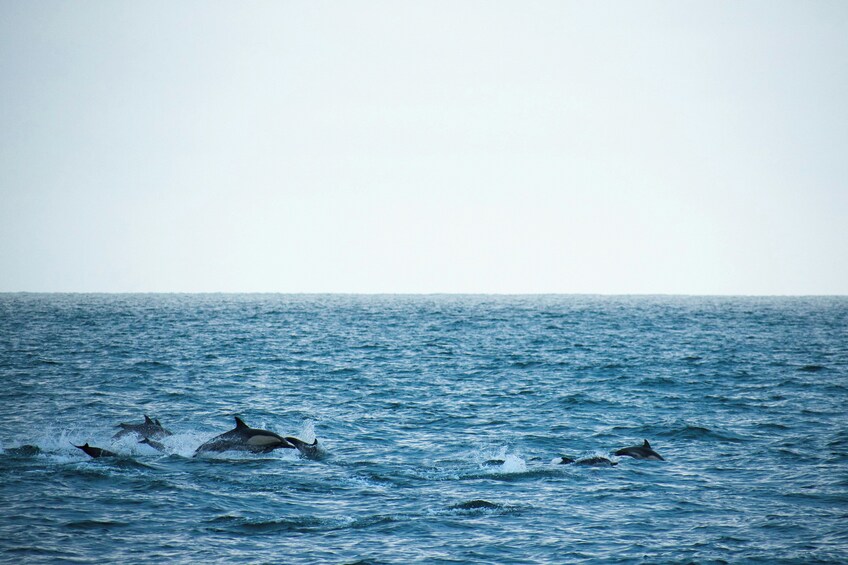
pixel 302 524
pixel 95 524
pixel 152 364
pixel 700 433
pixel 475 504
pixel 811 368
pixel 477 507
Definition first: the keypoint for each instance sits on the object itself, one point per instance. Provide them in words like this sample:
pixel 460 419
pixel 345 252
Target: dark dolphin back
pixel 95 452
pixel 597 462
pixel 226 440
pixel 643 451
pixel 149 428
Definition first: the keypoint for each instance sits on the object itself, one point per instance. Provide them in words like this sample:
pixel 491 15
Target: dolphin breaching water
pixel 245 438
pixel 643 451
pixel 151 429
pixel 95 452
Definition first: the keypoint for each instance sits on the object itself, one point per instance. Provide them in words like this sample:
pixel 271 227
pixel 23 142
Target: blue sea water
pixel 440 419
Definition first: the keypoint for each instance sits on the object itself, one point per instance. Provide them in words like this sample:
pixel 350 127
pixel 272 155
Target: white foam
pixel 513 464
pixel 185 443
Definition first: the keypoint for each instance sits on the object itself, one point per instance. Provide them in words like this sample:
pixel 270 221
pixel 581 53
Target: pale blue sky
pixel 493 147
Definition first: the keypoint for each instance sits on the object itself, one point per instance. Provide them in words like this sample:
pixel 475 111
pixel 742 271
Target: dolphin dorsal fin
pixel 147 419
pixel 240 424
pixel 646 444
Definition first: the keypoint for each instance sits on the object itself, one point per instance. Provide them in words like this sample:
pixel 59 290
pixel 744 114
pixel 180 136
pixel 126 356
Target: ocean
pixel 440 420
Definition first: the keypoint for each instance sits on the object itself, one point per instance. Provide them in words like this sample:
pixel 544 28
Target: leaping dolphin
pixel 95 452
pixel 245 438
pixel 643 451
pixel 149 429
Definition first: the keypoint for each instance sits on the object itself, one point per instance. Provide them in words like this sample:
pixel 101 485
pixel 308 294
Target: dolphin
pixel 245 438
pixel 149 429
pixel 95 452
pixel 643 451
pixel 154 444
pixel 589 462
pixel 496 462
pixel 308 450
pixel 24 450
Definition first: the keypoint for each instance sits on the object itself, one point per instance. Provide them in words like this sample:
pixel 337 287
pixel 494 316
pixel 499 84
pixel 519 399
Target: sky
pixel 672 147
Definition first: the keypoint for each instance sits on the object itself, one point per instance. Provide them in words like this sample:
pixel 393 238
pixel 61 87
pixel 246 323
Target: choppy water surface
pixel 412 398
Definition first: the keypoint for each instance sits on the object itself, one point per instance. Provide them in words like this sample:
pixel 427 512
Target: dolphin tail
pixel 300 443
pixel 307 449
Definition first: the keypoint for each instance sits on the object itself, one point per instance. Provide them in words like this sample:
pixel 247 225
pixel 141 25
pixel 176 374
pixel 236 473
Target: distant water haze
pixel 482 147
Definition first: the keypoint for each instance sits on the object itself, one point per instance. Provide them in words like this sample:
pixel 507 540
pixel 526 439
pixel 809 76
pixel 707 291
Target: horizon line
pixel 411 294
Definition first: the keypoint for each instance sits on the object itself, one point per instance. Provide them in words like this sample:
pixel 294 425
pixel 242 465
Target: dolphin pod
pixel 241 438
pixel 643 451
pixel 255 440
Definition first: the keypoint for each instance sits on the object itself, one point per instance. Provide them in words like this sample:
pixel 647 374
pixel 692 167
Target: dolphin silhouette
pixel 24 450
pixel 149 429
pixel 589 462
pixel 95 452
pixel 245 438
pixel 643 451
